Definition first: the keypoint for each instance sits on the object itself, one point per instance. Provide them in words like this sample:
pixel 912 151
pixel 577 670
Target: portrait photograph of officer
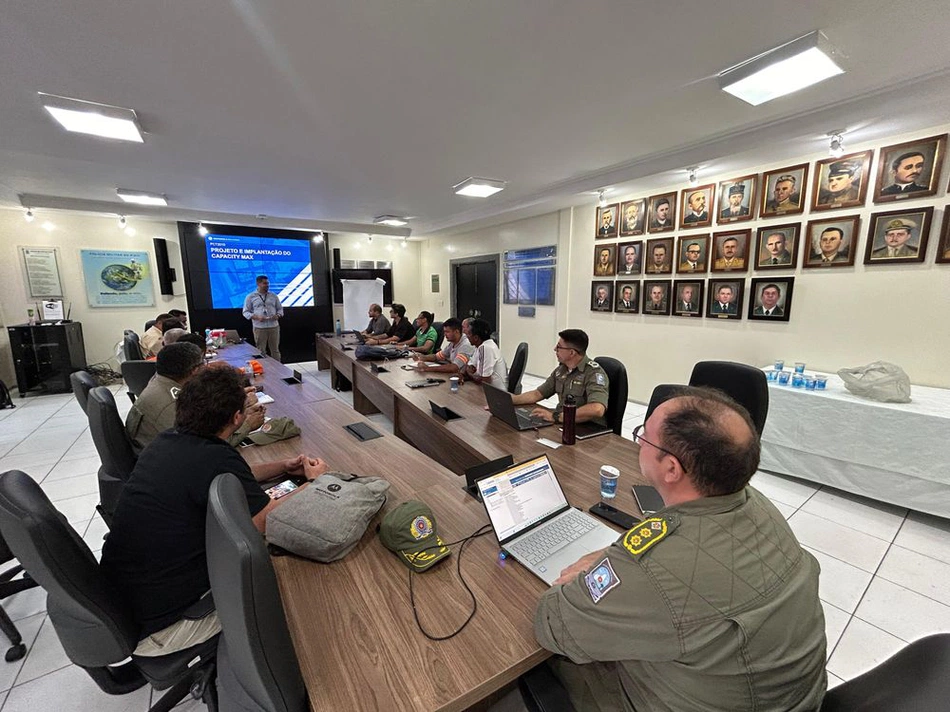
pixel 830 243
pixel 696 206
pixel 656 296
pixel 736 199
pixel 689 298
pixel 633 217
pixel 909 170
pixel 602 296
pixel 607 219
pixel 898 236
pixel 693 254
pixel 731 251
pixel 605 260
pixel 661 213
pixel 770 298
pixel 783 191
pixel 724 299
pixel 629 258
pixel 841 182
pixel 628 298
pixel 776 246
pixel 943 246
pixel 659 256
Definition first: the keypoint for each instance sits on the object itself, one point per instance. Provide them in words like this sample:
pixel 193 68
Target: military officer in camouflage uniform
pixel 710 604
pixel 576 375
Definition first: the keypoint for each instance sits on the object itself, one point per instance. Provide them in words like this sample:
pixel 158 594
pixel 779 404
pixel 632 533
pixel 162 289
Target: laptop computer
pixel 591 429
pixel 476 472
pixel 232 336
pixel 534 522
pixel 500 405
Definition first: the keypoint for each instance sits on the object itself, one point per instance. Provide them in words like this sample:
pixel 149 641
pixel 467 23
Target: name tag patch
pixel 601 580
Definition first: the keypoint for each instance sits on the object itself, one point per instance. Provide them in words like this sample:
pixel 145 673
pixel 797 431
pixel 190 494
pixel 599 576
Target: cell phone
pixel 614 515
pixel 281 489
pixel 648 499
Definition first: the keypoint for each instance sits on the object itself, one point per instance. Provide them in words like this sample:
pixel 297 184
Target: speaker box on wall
pixel 166 274
pixel 337 258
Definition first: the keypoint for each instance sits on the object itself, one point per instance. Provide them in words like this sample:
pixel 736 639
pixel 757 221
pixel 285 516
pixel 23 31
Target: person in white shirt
pixel 487 364
pixel 151 341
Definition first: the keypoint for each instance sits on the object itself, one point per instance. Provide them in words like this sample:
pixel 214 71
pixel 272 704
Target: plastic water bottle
pixel 339 328
pixel 207 336
pixel 568 416
pixel 248 368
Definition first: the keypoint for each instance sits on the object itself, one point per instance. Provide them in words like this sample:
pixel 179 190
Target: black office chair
pixel 95 628
pixel 114 447
pixel 257 667
pixel 136 375
pixel 82 382
pixel 130 347
pixel 747 385
pixel 541 691
pixel 10 585
pixel 439 335
pixel 516 371
pixel 662 392
pixel 148 325
pixel 617 403
pixel 913 680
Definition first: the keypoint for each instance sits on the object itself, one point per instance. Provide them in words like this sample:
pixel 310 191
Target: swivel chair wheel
pixel 15 652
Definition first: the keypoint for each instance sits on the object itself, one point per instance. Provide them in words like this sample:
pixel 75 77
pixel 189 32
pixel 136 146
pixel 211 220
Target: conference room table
pixel 351 621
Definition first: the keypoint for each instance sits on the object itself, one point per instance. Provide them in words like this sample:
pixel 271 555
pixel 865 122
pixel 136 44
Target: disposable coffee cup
pixel 608 481
pixel 454 383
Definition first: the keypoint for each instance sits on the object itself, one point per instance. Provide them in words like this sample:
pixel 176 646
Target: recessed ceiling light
pixel 91 118
pixel 783 70
pixel 479 187
pixel 391 220
pixel 140 197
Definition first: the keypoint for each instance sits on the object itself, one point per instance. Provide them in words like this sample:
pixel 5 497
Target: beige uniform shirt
pixel 587 383
pixel 709 605
pixel 151 341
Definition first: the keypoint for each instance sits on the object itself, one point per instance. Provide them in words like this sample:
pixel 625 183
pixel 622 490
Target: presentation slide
pixel 235 261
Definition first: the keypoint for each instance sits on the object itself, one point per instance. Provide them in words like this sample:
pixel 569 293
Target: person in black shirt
pixel 155 554
pixel 400 331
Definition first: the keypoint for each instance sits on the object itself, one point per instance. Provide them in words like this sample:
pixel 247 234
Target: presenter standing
pixel 263 309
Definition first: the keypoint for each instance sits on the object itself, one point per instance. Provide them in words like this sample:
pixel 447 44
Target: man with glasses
pixel 711 603
pixel 576 375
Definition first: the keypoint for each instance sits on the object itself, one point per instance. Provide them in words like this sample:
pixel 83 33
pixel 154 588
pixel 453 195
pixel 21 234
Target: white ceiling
pixel 340 110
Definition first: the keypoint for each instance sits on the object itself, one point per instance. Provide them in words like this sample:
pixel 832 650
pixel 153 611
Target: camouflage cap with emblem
pixel 410 532
pixel 274 430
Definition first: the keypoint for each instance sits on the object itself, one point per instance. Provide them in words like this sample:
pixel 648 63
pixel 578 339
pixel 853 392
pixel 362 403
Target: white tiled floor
pixel 885 572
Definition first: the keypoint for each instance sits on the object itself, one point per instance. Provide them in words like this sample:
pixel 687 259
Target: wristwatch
pixel 557 417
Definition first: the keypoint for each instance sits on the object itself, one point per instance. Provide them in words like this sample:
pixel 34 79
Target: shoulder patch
pixel 600 379
pixel 601 579
pixel 646 535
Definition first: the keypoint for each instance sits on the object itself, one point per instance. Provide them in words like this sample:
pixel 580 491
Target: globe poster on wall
pixel 117 278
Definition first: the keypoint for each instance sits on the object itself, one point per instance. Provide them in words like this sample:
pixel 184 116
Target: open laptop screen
pixel 521 496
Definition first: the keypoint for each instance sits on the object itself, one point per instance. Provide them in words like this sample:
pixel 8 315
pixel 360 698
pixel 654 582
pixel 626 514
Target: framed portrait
pixel 693 255
pixel 898 236
pixel 943 246
pixel 656 296
pixel 688 297
pixel 629 258
pixel 661 213
pixel 841 182
pixel 696 206
pixel 724 298
pixel 909 170
pixel 783 191
pixel 607 219
pixel 776 247
pixel 770 298
pixel 659 256
pixel 831 243
pixel 605 260
pixel 628 297
pixel 602 296
pixel 731 251
pixel 633 215
pixel 737 199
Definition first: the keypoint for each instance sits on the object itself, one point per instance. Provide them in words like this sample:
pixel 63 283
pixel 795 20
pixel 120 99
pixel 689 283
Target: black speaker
pixel 166 275
pixel 337 258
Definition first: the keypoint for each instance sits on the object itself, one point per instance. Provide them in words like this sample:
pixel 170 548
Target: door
pixel 475 288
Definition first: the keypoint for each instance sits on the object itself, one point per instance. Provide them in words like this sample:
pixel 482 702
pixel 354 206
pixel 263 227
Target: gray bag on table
pixel 326 520
pixel 880 381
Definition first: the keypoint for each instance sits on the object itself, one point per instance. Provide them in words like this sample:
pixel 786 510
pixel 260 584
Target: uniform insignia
pixel 601 580
pixel 421 527
pixel 646 534
pixel 600 379
pixel 174 390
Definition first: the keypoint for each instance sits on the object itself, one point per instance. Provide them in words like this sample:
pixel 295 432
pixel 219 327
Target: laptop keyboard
pixel 553 536
pixel 525 417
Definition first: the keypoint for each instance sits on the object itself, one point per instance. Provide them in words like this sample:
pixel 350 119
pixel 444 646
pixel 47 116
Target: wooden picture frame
pixel 598 303
pixel 649 304
pixel 737 198
pixel 770 298
pixel 695 212
pixel 783 191
pixel 606 230
pixel 605 260
pixel 730 251
pixel 733 308
pixel 636 267
pixel 660 219
pixel 632 225
pixel 699 254
pixel 903 232
pixel 943 244
pixel 688 305
pixel 910 169
pixel 774 253
pixel 841 182
pixel 818 255
pixel 651 264
pixel 633 304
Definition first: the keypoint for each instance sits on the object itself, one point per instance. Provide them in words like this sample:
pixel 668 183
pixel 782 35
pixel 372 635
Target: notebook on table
pixel 500 405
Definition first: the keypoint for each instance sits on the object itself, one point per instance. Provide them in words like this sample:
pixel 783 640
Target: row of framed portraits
pixel 770 299
pixel 904 170
pixel 893 237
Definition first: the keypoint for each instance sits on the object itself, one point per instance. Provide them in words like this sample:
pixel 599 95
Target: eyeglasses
pixel 564 348
pixel 639 440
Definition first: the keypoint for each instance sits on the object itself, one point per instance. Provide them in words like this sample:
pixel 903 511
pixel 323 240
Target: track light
pixel 405 241
pixel 202 230
pixel 602 198
pixel 369 238
pixel 122 222
pixel 318 236
pixel 692 177
pixel 836 145
pixel 29 215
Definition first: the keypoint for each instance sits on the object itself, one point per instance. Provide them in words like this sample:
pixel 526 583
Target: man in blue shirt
pixel 263 309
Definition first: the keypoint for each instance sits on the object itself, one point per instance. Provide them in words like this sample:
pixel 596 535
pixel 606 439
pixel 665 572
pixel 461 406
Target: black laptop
pixel 500 405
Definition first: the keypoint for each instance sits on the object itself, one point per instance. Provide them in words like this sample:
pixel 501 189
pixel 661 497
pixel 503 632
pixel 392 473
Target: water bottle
pixel 249 368
pixel 208 336
pixel 339 328
pixel 568 415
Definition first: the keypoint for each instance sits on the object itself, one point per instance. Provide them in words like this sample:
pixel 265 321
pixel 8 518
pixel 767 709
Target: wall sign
pixel 42 272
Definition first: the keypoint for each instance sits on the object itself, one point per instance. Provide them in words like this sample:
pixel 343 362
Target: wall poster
pixel 42 272
pixel 117 278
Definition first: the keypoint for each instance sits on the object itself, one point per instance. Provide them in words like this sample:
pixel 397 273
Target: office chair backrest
pixel 137 374
pixel 93 628
pixel 439 335
pixel 149 324
pixel 617 403
pixel 113 445
pixel 130 347
pixel 747 385
pixel 516 371
pixel 82 383
pixel 662 392
pixel 257 667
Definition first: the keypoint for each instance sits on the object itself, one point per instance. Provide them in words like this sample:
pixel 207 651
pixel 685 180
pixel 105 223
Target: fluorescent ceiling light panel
pixel 479 187
pixel 783 70
pixel 91 118
pixel 140 197
pixel 391 220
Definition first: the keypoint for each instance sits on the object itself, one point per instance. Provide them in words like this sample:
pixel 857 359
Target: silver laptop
pixel 500 405
pixel 534 522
